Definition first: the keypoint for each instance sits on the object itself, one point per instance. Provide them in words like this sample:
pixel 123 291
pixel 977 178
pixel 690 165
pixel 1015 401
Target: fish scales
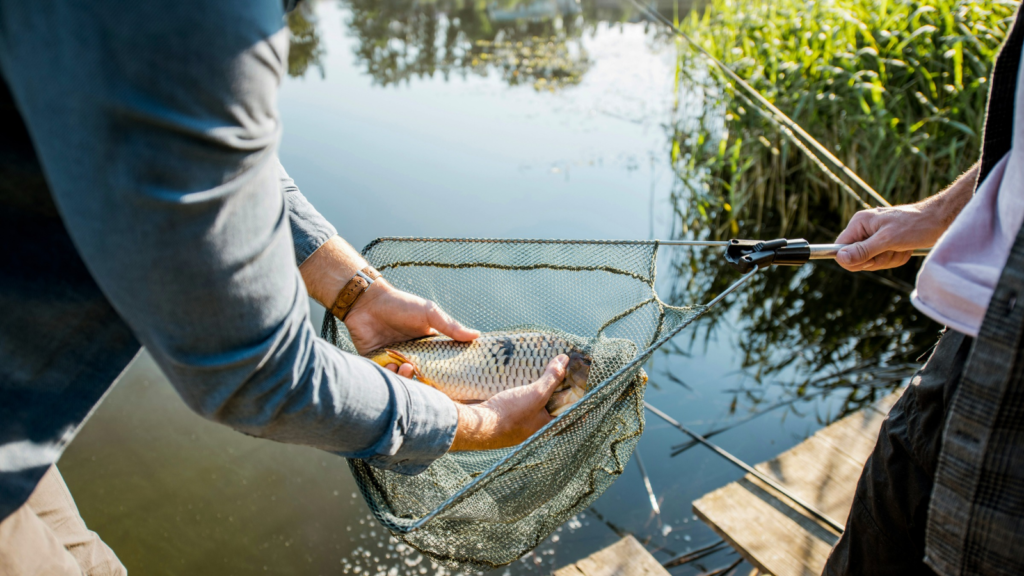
pixel 477 370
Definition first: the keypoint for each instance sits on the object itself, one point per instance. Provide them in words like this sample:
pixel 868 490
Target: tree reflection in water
pixel 536 43
pixel 305 49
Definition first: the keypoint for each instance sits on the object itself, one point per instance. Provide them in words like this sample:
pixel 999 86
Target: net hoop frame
pixel 403 525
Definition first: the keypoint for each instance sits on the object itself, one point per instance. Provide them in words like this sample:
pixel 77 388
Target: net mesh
pixel 485 509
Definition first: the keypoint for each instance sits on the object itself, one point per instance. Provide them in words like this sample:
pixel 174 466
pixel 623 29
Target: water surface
pixel 392 135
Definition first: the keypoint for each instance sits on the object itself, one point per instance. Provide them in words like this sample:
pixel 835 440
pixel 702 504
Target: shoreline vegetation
pixel 897 90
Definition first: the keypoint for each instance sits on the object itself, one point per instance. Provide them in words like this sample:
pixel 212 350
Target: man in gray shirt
pixel 142 204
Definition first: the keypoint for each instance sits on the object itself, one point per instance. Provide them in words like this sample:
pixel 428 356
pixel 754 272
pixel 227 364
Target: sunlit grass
pixel 895 89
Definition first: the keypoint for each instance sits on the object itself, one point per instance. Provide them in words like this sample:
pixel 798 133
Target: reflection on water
pixel 550 119
pixel 537 43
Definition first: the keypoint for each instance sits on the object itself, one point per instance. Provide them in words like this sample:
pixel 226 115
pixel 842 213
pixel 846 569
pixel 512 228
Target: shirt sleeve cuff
pixel 423 429
pixel 310 230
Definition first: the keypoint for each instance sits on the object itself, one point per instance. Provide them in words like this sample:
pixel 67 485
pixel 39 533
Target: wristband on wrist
pixel 353 290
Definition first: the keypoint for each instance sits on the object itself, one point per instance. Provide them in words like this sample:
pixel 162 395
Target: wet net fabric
pixel 485 509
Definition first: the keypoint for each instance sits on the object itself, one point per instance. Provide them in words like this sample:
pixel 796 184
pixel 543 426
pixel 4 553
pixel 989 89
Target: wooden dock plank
pixel 821 482
pixel 753 521
pixel 627 557
pixel 765 527
pixel 854 435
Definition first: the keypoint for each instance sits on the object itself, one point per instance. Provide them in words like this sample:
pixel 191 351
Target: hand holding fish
pixel 511 416
pixel 516 401
pixel 385 315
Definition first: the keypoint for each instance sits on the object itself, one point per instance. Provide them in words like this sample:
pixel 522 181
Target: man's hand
pixel 383 314
pixel 883 238
pixel 508 418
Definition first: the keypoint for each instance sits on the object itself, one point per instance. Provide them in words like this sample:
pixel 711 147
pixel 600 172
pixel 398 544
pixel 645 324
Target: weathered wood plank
pixel 627 557
pixel 570 570
pixel 818 475
pixel 754 522
pixel 854 435
pixel 765 527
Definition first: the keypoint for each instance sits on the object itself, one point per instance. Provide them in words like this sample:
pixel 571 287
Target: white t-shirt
pixel 957 279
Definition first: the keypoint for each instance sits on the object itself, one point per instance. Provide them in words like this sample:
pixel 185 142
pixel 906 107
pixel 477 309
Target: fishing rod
pixel 747 468
pixel 746 254
pixel 763 102
pixel 646 482
pixel 695 555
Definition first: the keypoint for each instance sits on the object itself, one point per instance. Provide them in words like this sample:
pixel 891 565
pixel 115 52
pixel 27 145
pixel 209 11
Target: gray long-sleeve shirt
pixel 142 202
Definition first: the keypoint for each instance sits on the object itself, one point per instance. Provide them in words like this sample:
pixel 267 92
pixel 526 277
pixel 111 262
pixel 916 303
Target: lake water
pixel 482 148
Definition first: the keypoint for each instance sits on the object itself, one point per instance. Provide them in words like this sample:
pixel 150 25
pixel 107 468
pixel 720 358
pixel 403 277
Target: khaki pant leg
pixel 53 505
pixel 29 548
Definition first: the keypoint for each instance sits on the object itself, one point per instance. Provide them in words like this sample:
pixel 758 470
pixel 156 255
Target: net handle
pixel 817 251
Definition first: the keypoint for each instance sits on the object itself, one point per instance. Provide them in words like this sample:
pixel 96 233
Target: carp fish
pixel 494 362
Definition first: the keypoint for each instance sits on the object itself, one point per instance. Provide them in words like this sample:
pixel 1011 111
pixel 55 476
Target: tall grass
pixel 895 88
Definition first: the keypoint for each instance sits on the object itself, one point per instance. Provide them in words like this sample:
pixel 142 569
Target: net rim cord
pixel 470 488
pixel 722 243
pixel 649 281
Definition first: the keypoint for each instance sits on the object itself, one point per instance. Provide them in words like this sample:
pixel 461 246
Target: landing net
pixel 485 509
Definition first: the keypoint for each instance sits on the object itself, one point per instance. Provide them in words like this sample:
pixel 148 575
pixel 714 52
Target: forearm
pixel 328 269
pixel 473 424
pixel 944 207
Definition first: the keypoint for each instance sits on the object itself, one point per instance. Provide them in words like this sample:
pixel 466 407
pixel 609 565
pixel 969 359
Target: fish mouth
pixel 573 387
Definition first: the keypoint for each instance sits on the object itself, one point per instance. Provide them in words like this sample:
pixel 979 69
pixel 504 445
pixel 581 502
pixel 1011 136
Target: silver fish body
pixel 497 361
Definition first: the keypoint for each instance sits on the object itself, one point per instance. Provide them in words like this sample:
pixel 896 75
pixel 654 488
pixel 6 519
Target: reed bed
pixel 895 89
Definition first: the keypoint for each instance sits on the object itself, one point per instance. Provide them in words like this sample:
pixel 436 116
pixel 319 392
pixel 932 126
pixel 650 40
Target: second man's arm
pixel 883 238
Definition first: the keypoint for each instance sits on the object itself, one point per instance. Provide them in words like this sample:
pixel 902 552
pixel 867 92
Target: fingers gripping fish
pixel 494 362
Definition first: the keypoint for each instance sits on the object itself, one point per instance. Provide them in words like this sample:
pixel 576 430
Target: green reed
pixel 896 89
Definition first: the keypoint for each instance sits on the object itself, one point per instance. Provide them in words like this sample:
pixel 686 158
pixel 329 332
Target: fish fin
pixel 381 358
pixel 562 401
pixel 403 359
